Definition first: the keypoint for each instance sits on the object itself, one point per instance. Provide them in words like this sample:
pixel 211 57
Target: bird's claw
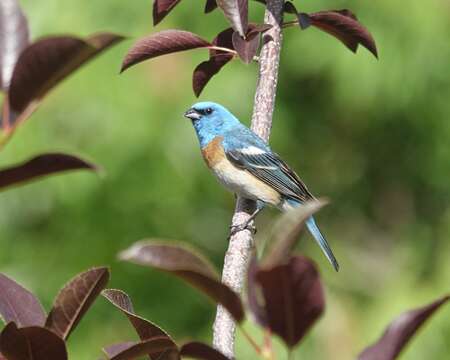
pixel 234 229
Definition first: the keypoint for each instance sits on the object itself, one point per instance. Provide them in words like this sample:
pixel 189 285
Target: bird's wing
pixel 271 169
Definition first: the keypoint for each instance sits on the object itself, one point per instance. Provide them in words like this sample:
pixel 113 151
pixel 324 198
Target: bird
pixel 245 164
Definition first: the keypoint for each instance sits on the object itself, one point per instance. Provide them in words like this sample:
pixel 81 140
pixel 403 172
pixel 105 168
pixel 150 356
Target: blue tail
pixel 320 239
pixel 322 242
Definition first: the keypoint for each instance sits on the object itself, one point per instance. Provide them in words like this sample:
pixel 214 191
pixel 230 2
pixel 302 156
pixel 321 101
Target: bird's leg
pixel 246 225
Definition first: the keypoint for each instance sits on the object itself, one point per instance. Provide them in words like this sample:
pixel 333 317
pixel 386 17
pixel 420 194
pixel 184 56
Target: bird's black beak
pixel 192 114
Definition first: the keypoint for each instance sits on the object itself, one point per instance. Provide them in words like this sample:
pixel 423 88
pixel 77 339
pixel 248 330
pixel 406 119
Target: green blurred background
pixel 373 136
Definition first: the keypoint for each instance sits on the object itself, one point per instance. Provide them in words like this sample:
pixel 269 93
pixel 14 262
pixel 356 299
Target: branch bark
pixel 241 244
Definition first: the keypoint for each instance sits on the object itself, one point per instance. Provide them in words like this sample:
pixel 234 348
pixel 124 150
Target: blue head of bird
pixel 210 120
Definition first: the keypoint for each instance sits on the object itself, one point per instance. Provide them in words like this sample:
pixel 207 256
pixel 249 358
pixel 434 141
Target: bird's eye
pixel 208 111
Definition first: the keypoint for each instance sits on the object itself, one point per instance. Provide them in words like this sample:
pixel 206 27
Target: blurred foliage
pixel 373 136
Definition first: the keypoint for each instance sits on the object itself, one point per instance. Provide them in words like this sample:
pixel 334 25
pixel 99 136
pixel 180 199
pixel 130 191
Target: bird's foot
pixel 234 229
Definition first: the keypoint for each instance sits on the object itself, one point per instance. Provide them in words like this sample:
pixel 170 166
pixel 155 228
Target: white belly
pixel 244 184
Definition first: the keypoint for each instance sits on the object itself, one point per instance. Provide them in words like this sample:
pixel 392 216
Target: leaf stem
pixel 289 24
pixel 220 48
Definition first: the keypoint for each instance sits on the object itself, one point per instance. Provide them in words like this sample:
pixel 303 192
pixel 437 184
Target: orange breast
pixel 213 152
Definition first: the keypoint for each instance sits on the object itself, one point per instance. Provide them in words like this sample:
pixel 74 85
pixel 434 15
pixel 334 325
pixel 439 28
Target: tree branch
pixel 241 244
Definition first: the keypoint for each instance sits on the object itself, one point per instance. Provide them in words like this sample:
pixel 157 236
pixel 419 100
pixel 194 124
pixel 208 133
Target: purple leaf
pixel 201 351
pixel 400 332
pixel 206 70
pixel 343 25
pixel 143 327
pixel 153 346
pixel 19 305
pixel 42 165
pixel 210 6
pixel 286 231
pixel 161 8
pixel 41 66
pixel 223 39
pixel 236 11
pixel 162 43
pixel 14 344
pixel 115 349
pixel 13 38
pixel 304 20
pixel 74 300
pixel 184 263
pixel 291 298
pixel 31 343
pixel 290 8
pixel 217 59
pixel 248 47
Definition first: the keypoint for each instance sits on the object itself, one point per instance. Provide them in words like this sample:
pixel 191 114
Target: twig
pixel 289 23
pixel 251 341
pixel 241 243
pixel 224 49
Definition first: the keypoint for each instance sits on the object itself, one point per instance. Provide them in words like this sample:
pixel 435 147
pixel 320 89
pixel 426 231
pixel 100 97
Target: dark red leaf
pixel 31 343
pixel 223 39
pixel 14 344
pixel 122 301
pixel 248 47
pixel 184 263
pixel 18 304
pixel 236 11
pixel 304 20
pixel 346 12
pixel 292 297
pixel 206 70
pixel 245 48
pixel 217 59
pixel 400 331
pixel 115 349
pixel 102 41
pixel 156 345
pixel 201 351
pixel 258 28
pixel 285 233
pixel 161 8
pixel 74 300
pixel 46 62
pixel 13 38
pixel 162 43
pixel 42 165
pixel 290 8
pixel 44 344
pixel 143 327
pixel 343 25
pixel 210 6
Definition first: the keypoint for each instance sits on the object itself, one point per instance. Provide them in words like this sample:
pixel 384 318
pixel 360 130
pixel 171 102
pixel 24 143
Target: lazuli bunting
pixel 246 165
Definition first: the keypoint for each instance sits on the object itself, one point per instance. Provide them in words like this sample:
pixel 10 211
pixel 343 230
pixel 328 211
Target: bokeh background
pixel 373 136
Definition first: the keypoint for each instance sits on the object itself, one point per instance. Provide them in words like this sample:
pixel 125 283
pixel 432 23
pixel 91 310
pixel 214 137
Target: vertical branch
pixel 241 244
